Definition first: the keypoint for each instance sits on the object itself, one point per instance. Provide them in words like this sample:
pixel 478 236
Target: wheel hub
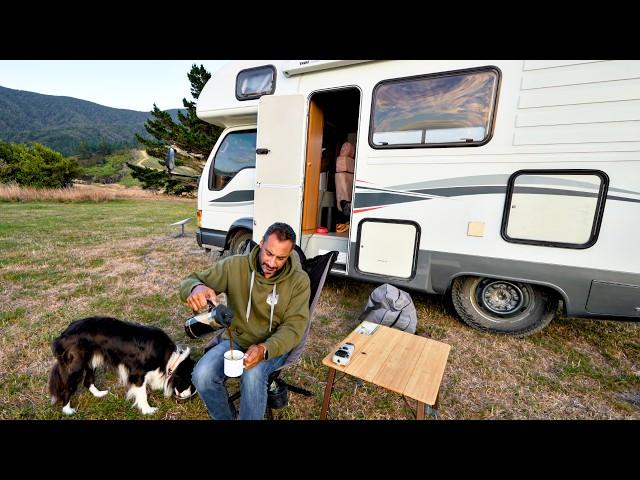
pixel 501 297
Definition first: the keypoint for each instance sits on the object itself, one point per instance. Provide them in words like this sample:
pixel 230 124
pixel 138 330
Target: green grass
pixel 11 316
pixel 64 261
pixel 129 181
pixel 61 262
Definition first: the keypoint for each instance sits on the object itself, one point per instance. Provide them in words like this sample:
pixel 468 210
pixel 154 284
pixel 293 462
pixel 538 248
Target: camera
pixel 343 354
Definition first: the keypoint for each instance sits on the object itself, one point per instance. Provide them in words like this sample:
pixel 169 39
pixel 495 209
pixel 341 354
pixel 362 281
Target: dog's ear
pixel 56 383
pixel 68 357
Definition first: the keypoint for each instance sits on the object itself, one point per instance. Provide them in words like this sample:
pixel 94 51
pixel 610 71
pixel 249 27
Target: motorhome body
pixel 508 185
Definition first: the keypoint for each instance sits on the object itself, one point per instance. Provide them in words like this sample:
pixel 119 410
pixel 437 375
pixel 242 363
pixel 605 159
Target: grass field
pixel 62 261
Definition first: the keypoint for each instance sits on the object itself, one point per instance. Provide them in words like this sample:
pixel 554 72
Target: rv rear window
pixel 446 109
pixel 254 82
pixel 554 208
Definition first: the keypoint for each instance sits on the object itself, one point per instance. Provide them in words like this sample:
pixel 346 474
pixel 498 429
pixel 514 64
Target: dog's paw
pixel 149 410
pixel 97 393
pixel 67 410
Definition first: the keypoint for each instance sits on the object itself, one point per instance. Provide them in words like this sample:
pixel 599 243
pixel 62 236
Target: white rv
pixel 509 185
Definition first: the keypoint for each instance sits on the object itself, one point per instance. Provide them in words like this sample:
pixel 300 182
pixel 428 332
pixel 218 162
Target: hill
pixel 64 123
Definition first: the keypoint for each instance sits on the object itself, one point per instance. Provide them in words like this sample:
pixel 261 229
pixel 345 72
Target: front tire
pixel 237 242
pixel 503 306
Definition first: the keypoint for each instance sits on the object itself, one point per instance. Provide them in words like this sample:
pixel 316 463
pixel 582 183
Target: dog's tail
pixel 56 383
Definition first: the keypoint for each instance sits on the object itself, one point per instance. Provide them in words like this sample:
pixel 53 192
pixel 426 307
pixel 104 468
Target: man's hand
pixel 254 355
pixel 199 296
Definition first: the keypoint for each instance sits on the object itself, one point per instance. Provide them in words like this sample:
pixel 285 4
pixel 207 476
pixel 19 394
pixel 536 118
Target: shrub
pixel 35 165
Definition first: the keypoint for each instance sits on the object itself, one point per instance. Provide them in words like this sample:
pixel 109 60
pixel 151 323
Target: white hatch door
pixel 388 248
pixel 280 150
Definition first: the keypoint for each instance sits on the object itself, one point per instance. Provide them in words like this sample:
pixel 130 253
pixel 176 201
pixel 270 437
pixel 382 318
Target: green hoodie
pixel 280 329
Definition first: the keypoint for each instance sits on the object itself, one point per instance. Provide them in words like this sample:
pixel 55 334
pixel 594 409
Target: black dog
pixel 142 355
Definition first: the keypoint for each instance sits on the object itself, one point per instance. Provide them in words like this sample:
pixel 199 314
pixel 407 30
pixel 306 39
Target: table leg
pixel 432 410
pixel 327 393
pixel 420 411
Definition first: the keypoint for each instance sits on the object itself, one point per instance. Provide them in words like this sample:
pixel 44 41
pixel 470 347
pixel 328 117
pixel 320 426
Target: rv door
pixel 279 162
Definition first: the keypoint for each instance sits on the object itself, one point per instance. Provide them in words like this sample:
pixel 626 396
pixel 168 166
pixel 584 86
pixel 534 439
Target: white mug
pixel 233 363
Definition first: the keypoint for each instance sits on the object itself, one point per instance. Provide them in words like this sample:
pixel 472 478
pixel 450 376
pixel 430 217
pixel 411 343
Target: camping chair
pixel 317 268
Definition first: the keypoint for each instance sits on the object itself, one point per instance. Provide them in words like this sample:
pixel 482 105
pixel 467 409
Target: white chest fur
pixel 155 379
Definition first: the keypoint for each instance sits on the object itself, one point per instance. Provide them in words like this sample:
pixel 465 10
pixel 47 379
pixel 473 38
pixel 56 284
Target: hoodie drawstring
pixel 253 276
pixel 273 302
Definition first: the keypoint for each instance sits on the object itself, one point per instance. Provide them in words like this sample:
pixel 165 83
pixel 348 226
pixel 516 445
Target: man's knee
pixel 206 371
pixel 199 376
pixel 256 376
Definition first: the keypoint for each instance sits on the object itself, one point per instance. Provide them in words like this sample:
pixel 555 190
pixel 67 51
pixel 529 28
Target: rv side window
pixel 446 109
pixel 555 208
pixel 254 82
pixel 237 152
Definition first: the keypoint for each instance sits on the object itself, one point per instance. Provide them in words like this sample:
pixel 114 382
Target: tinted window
pixel 453 108
pixel 237 151
pixel 255 82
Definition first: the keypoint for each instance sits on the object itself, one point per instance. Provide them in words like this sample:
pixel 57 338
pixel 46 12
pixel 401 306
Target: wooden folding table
pixel 407 364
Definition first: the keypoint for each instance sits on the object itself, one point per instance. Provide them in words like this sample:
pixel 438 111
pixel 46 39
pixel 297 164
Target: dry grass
pixel 79 192
pixel 52 272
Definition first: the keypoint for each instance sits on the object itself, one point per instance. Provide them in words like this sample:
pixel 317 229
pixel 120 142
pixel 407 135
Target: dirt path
pixel 143 156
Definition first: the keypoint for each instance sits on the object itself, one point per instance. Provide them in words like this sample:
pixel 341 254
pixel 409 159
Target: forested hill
pixel 67 124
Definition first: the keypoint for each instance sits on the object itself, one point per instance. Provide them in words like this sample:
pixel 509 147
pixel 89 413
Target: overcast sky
pixel 130 84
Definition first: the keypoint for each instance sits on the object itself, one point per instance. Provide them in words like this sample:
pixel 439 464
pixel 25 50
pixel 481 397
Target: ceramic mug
pixel 233 363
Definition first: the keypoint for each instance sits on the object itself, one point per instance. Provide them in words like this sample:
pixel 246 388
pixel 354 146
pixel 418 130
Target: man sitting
pixel 269 294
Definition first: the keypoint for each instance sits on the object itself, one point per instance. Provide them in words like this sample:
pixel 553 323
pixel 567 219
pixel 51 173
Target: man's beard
pixel 265 268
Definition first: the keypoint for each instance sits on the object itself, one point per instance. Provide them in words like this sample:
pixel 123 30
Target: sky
pixel 130 84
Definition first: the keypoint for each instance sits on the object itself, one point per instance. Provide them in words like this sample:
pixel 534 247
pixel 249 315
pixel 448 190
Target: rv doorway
pixel 329 172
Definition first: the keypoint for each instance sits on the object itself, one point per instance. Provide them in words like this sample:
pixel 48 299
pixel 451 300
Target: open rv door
pixel 279 162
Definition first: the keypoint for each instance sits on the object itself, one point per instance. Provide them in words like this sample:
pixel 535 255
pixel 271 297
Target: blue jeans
pixel 208 377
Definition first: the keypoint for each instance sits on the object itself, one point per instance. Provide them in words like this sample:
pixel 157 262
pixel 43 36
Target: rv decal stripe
pixel 486 180
pixel 623 199
pixel 409 193
pixel 570 193
pixel 366 197
pixel 365 200
pixel 553 191
pixel 237 196
pixel 375 198
pixel 472 181
pixel 458 191
pixel 360 210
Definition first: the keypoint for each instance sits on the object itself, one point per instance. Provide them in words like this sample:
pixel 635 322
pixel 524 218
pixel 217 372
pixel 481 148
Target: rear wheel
pixel 503 306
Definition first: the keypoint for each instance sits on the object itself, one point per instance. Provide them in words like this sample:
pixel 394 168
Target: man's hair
pixel 282 230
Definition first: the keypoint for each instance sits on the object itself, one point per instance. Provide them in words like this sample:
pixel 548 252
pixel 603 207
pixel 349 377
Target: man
pixel 269 294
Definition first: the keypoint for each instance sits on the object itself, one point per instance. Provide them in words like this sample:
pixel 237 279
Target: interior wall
pixel 312 168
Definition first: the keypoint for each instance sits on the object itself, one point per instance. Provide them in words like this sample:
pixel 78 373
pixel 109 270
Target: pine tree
pixel 192 138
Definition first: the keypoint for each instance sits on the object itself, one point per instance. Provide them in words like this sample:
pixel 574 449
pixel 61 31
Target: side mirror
pixel 170 160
